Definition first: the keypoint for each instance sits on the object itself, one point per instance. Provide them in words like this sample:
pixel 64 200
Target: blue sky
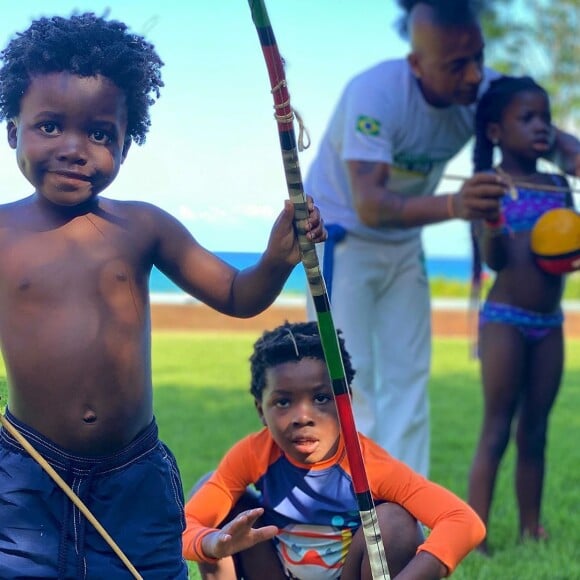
pixel 212 156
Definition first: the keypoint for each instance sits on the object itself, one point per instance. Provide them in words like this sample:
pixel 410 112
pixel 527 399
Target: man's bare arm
pixel 378 206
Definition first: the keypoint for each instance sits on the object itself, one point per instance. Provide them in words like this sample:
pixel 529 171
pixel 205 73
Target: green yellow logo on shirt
pixel 368 125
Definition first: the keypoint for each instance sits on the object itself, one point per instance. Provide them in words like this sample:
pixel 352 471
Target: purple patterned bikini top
pixel 522 213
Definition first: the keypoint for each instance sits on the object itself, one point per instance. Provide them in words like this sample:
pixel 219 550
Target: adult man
pixel 392 133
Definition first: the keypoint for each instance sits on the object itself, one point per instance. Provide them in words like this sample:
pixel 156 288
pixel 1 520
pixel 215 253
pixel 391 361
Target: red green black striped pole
pixel 285 120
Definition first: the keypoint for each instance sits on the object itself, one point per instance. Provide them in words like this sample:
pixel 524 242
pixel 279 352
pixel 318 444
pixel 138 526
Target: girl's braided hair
pixel 290 342
pixel 84 45
pixel 490 109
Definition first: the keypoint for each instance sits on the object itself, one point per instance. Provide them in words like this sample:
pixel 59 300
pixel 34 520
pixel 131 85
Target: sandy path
pixel 193 316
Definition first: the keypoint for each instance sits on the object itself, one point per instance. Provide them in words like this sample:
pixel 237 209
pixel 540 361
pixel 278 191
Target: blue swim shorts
pixel 135 494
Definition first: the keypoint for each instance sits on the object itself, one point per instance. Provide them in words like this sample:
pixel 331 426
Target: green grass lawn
pixel 203 405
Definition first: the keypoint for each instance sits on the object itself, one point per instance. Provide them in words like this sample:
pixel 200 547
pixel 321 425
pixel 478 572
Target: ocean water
pixel 440 267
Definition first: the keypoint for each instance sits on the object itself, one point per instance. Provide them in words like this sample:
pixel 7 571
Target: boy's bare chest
pixel 81 257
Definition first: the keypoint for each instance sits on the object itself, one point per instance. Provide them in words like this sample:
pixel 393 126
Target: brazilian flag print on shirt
pixel 368 125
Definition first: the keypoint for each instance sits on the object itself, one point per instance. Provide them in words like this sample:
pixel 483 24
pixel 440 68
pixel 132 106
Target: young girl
pixel 520 324
pixel 310 524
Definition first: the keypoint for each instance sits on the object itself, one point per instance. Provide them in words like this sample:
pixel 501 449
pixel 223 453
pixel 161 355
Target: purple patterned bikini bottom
pixel 533 325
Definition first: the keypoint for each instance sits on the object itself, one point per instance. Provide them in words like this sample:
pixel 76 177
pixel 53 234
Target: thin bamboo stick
pixel 555 188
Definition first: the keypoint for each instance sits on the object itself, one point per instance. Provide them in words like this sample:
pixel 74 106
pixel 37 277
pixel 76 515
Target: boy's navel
pixel 89 416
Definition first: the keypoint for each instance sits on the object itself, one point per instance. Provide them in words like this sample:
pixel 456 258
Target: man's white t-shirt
pixel 382 116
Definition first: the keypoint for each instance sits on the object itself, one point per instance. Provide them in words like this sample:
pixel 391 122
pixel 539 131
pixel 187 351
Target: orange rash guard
pixel 315 508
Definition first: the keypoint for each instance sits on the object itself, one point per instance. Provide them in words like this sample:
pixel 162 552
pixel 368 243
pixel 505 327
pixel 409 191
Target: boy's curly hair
pixel 445 12
pixel 84 45
pixel 290 342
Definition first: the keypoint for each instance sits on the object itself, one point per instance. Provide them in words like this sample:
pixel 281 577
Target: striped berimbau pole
pixel 285 119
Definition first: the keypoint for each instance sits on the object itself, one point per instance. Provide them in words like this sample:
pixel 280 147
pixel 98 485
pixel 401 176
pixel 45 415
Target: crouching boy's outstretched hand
pixel 237 535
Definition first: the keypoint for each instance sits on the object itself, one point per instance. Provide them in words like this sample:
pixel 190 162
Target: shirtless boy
pixel 74 306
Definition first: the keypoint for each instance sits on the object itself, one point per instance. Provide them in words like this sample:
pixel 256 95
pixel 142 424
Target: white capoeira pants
pixel 380 301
